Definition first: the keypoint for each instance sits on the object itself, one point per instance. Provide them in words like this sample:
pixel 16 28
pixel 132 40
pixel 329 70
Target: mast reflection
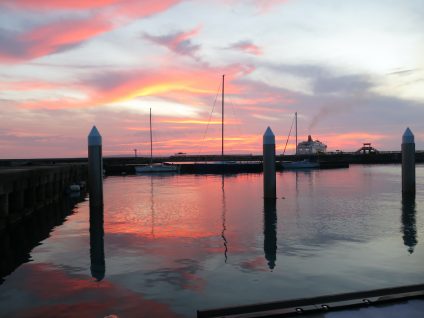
pixel 152 206
pixel 97 255
pixel 270 231
pixel 409 228
pixel 224 211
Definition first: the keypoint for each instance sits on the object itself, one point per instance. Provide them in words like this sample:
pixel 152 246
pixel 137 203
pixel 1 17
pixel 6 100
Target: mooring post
pixel 269 164
pixel 95 167
pixel 408 163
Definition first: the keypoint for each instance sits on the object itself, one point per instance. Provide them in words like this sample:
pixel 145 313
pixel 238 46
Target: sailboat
pixel 303 164
pixel 158 167
pixel 222 161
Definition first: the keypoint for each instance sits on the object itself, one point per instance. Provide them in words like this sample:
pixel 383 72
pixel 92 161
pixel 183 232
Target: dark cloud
pixel 178 42
pixel 349 84
pixel 247 47
pixel 11 47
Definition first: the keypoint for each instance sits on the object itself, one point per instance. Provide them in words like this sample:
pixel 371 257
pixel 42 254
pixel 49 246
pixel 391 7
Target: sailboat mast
pixel 222 123
pixel 151 139
pixel 295 115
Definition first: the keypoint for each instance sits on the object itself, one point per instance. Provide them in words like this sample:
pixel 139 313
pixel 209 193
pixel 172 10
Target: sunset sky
pixel 353 70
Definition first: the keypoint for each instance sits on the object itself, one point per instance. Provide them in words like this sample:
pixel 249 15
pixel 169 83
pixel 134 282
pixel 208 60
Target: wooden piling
pixel 408 163
pixel 95 167
pixel 269 164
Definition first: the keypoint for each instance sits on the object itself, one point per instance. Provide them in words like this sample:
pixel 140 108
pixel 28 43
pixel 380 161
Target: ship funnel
pixel 309 138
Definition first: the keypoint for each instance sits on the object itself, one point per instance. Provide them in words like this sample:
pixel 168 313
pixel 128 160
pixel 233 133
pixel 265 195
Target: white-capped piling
pixel 269 165
pixel 95 167
pixel 408 162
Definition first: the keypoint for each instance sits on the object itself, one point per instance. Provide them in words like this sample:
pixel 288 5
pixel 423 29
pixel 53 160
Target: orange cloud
pixel 137 128
pixel 198 122
pixel 113 87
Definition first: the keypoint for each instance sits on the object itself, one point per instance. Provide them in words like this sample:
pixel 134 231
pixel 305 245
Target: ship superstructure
pixel 311 147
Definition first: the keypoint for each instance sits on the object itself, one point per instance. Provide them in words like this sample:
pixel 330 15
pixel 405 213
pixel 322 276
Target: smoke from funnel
pixel 323 112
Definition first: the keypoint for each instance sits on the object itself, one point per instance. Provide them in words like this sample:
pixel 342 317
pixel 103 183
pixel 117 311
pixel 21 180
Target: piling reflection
pixel 409 228
pixel 224 211
pixel 97 255
pixel 270 232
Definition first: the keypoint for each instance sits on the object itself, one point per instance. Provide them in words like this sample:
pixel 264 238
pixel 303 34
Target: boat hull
pixel 155 169
pixel 299 165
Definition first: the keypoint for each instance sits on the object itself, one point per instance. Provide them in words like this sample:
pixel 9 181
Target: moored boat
pixel 156 168
pixel 303 164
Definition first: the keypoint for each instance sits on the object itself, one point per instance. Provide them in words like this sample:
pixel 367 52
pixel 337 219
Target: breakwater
pixel 119 165
pixel 25 190
pixel 253 163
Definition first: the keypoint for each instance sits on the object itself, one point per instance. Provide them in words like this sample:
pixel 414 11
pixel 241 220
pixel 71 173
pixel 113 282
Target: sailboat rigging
pixel 222 121
pixel 154 168
pixel 303 164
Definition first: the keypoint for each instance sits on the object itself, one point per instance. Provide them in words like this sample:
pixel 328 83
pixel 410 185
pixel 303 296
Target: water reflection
pixel 270 232
pixel 409 228
pixel 152 207
pixel 97 255
pixel 224 211
pixel 17 243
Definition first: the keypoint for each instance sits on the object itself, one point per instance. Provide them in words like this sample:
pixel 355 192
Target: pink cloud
pixel 55 37
pixel 247 47
pixel 50 38
pixel 265 5
pixel 128 6
pixel 26 85
pixel 137 8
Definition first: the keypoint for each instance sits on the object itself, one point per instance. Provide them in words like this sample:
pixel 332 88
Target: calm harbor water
pixel 174 244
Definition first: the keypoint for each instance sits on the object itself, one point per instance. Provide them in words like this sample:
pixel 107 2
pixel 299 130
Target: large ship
pixel 311 147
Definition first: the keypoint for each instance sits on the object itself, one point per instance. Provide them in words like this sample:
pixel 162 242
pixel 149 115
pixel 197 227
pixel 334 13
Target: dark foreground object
pixel 321 305
pixel 17 242
pixel 24 190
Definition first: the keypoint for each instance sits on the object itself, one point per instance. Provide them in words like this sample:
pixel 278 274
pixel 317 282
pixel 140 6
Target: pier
pixel 24 190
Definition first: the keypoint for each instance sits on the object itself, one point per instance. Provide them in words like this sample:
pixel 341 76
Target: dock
pixel 337 304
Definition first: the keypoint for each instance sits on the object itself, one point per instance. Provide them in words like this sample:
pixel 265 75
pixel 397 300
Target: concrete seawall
pixel 25 190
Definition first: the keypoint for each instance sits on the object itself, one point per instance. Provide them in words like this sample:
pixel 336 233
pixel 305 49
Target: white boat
pixel 157 167
pixel 304 164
